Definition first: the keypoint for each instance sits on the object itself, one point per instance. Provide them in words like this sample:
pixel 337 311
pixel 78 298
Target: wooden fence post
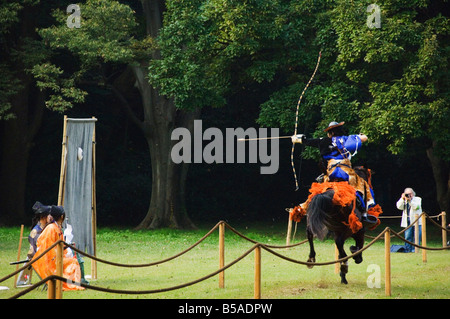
pixel 222 254
pixel 94 208
pixel 289 231
pixel 258 272
pixel 424 238
pixel 416 233
pixel 51 289
pixel 444 226
pixel 387 255
pixel 59 269
pixel 18 255
pixel 337 265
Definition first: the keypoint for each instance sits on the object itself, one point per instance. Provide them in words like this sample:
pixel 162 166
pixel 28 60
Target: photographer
pixel 411 205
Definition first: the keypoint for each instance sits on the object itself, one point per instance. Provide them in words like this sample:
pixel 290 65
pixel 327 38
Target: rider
pixel 336 151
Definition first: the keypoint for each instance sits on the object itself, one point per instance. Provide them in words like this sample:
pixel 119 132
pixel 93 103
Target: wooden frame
pixel 62 183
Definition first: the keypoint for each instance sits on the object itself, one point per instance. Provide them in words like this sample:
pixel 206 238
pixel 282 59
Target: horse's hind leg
pixel 343 272
pixel 312 252
pixel 339 240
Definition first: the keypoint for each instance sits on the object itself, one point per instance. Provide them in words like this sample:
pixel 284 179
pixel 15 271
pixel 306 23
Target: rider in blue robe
pixel 336 151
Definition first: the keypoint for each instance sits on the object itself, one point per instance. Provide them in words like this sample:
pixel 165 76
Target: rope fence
pixel 54 282
pixel 442 226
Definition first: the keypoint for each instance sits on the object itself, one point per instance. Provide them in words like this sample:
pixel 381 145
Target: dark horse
pixel 324 216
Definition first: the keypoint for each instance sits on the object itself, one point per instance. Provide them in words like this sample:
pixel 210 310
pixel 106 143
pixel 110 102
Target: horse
pixel 324 216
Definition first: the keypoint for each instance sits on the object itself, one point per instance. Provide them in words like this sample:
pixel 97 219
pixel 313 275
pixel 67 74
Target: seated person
pixel 38 224
pixel 39 221
pixel 68 236
pixel 46 265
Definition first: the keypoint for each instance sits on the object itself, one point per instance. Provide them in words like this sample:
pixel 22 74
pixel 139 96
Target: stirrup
pixel 369 220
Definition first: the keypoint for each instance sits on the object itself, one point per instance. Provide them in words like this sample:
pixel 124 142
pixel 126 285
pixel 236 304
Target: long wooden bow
pixel 296 119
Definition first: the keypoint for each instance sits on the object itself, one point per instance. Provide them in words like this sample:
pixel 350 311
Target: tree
pixel 193 53
pixel 402 67
pixel 114 50
pixel 390 82
pixel 204 50
pixel 184 55
pixel 209 47
pixel 22 103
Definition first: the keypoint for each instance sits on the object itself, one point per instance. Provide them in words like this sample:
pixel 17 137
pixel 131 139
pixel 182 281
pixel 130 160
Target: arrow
pixel 263 138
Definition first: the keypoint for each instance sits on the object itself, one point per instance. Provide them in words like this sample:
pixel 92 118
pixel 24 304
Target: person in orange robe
pixel 46 265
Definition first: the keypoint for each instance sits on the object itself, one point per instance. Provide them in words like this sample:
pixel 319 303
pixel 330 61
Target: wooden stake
pixel 416 234
pixel 387 255
pixel 289 231
pixel 424 238
pixel 62 175
pixel 444 228
pixel 221 254
pixel 59 269
pixel 51 292
pixel 337 265
pixel 18 254
pixel 258 272
pixel 94 209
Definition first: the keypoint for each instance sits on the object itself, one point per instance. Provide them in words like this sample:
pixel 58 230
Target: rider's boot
pixel 368 221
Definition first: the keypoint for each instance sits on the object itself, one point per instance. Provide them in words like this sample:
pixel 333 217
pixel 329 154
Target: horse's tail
pixel 317 212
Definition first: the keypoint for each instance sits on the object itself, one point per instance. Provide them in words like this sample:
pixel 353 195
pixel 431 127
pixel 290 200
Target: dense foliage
pixel 252 57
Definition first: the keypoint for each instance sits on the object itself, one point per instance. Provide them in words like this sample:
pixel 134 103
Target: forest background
pixel 143 68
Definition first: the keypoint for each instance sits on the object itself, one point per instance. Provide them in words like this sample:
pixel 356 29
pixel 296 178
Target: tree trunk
pixel 17 137
pixel 441 173
pixel 167 204
pixel 17 134
pixel 13 173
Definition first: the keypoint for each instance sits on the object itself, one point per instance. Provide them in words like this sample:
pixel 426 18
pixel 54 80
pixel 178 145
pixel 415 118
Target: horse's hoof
pixel 311 260
pixel 344 270
pixel 343 279
pixel 358 258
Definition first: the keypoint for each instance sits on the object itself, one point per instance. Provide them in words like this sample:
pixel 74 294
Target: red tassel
pixel 353 221
pixel 375 211
pixel 297 213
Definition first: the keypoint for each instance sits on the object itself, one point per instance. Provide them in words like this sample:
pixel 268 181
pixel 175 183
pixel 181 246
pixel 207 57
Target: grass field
pixel 411 278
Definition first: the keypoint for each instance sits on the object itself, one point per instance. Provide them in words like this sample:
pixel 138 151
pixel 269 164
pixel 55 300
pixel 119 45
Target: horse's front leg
pixel 339 240
pixel 312 252
pixel 359 242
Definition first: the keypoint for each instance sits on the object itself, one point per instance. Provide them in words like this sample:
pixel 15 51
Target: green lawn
pixel 411 278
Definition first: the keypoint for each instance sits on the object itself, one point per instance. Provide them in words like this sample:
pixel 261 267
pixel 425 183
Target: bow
pixel 296 119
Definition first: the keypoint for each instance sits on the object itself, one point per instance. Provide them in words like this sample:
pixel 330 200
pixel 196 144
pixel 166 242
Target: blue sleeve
pixel 353 143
